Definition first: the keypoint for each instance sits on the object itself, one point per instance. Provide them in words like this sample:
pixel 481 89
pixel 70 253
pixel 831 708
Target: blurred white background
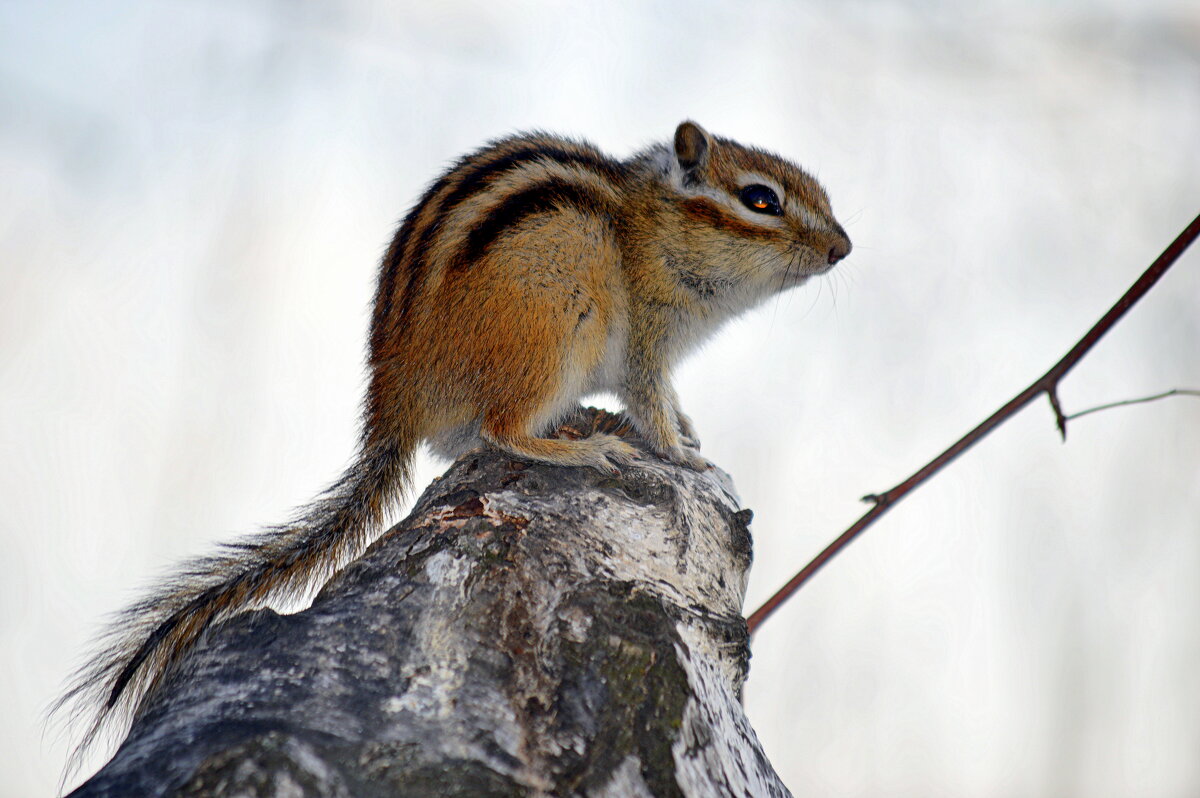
pixel 195 196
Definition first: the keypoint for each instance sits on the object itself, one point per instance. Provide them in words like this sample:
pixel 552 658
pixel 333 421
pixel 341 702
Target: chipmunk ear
pixel 691 145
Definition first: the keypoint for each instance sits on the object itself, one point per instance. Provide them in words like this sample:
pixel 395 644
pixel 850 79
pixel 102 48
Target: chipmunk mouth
pixel 802 265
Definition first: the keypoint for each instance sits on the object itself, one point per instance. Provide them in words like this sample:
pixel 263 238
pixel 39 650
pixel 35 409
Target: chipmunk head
pixel 766 219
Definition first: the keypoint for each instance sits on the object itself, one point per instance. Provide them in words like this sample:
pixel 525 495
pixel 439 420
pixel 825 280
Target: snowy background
pixel 194 197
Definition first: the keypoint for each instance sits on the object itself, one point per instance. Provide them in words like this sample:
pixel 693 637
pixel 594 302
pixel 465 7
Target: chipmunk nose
pixel 840 249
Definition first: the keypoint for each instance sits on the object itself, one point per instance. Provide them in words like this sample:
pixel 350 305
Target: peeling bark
pixel 527 630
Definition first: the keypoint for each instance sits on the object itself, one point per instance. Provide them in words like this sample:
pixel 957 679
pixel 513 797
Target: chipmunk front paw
pixel 687 430
pixel 688 458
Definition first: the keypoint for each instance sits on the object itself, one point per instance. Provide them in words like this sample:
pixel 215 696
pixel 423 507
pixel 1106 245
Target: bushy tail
pixel 281 563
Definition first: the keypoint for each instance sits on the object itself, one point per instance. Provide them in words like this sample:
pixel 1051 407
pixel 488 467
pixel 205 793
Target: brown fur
pixel 535 271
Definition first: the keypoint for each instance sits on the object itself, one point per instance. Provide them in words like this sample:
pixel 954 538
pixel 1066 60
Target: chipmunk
pixel 535 271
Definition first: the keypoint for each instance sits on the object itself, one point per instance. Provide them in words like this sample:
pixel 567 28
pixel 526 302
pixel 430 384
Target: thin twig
pixel 1047 384
pixel 1141 400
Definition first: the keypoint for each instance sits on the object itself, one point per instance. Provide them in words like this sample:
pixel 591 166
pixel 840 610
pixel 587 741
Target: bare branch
pixel 1141 400
pixel 1047 384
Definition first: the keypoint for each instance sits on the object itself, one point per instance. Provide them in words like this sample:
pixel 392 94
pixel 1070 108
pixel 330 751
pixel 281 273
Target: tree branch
pixel 1138 401
pixel 1047 384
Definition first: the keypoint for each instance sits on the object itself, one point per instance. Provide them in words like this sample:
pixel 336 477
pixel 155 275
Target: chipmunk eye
pixel 761 199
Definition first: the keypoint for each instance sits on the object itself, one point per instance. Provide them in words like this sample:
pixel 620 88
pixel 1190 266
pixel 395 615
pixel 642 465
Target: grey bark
pixel 527 630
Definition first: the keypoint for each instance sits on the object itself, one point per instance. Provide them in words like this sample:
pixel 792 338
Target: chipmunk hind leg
pixel 564 345
pixel 545 386
pixel 603 452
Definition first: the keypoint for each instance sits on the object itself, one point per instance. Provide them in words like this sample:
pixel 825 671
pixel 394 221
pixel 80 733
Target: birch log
pixel 527 630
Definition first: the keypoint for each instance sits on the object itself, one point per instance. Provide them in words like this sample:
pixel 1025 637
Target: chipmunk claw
pixel 613 454
pixel 687 458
